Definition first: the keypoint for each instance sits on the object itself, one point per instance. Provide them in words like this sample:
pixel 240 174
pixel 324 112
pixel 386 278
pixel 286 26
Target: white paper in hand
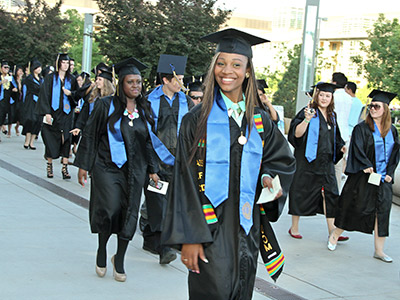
pixel 267 195
pixel 375 179
pixel 161 188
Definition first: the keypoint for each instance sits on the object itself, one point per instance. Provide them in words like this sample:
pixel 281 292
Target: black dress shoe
pixel 32 147
pixel 26 147
pixel 167 255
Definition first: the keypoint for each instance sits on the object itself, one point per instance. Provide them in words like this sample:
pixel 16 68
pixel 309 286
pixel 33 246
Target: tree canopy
pixel 144 30
pixel 382 62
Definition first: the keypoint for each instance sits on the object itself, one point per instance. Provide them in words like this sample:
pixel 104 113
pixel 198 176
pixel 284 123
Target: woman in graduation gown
pixel 17 97
pixel 116 148
pixel 374 148
pixel 56 103
pixel 32 121
pixel 212 215
pixel 315 136
pixel 261 86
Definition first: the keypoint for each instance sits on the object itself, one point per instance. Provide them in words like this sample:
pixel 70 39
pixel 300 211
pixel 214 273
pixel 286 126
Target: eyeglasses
pixel 375 106
pixel 6 67
pixel 197 97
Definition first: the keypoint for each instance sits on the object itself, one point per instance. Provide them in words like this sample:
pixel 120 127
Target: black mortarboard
pixel 107 74
pixel 63 56
pixel 234 41
pixel 167 64
pixel 382 96
pixel 101 66
pixel 195 86
pixel 326 87
pixel 129 66
pixel 84 75
pixel 262 84
pixel 4 63
pixel 35 64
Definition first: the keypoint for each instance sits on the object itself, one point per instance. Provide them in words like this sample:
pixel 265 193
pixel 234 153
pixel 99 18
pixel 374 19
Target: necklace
pixel 131 115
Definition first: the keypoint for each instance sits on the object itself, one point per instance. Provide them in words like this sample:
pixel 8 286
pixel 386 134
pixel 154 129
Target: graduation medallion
pixel 246 210
pixel 242 140
pixel 66 106
pixel 131 115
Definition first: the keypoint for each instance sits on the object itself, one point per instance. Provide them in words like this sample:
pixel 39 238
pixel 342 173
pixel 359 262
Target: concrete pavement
pixel 48 252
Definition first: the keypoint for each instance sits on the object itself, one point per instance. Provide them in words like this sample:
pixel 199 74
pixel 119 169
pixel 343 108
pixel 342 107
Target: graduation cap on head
pixel 101 66
pixel 84 75
pixel 262 84
pixel 195 86
pixel 4 63
pixel 129 66
pixel 234 41
pixel 382 96
pixel 107 74
pixel 170 64
pixel 34 64
pixel 326 87
pixel 61 56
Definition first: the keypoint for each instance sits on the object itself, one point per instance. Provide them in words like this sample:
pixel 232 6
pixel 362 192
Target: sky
pixel 327 7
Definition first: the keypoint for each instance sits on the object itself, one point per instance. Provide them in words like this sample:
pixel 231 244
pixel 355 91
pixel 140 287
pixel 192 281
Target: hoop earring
pixel 247 74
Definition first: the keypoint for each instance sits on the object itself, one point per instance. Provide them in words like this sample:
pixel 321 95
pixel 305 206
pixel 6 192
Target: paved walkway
pixel 48 252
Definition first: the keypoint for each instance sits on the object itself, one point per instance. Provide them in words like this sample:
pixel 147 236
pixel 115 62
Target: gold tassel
pixel 180 83
pixel 29 68
pixel 58 57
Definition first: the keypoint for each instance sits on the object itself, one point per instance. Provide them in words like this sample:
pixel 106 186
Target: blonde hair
pixel 107 90
pixel 386 121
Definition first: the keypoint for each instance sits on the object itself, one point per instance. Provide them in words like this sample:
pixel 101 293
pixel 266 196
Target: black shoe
pixel 26 147
pixel 5 131
pixel 32 147
pixel 167 255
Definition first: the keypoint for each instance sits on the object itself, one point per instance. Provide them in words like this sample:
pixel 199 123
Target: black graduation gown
pixel 305 197
pixel 32 121
pixel 232 254
pixel 5 103
pixel 360 201
pixel 167 133
pixel 115 192
pixel 56 137
pixel 16 107
pixel 81 116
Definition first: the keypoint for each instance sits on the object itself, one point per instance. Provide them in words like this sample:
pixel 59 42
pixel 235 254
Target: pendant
pixel 130 123
pixel 329 127
pixel 242 140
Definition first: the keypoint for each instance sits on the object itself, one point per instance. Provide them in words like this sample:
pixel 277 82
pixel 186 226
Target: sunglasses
pixel 197 97
pixel 6 67
pixel 375 106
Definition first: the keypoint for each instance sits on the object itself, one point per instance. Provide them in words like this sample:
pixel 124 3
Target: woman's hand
pixel 66 92
pixel 267 183
pixel 75 131
pixel 48 119
pixel 82 177
pixel 190 254
pixel 154 177
pixel 15 90
pixel 309 112
pixel 369 170
pixel 388 178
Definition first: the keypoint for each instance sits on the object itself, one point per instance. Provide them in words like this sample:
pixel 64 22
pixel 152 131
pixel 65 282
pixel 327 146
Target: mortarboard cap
pixel 234 41
pixel 326 87
pixel 195 86
pixel 101 66
pixel 4 63
pixel 84 75
pixel 167 64
pixel 129 66
pixel 106 74
pixel 382 96
pixel 262 84
pixel 63 56
pixel 35 64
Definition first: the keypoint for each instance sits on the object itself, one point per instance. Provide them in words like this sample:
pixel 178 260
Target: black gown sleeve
pixel 293 140
pixel 184 222
pixel 43 104
pixel 83 116
pixel 277 160
pixel 90 136
pixel 357 157
pixel 395 156
pixel 339 145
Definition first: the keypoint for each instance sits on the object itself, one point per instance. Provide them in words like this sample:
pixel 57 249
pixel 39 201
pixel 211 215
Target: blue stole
pixel 1 92
pixel 91 106
pixel 24 89
pixel 154 98
pixel 383 150
pixel 218 163
pixel 55 101
pixel 16 86
pixel 116 141
pixel 35 98
pixel 313 136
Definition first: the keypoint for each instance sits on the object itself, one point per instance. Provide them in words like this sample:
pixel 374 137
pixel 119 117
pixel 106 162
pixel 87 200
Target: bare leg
pixel 334 236
pixel 329 221
pixel 33 137
pixel 27 139
pixel 9 130
pixel 295 225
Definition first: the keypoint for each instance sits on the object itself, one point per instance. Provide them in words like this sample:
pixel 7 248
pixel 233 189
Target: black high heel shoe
pixel 26 147
pixel 50 170
pixel 64 172
pixel 32 147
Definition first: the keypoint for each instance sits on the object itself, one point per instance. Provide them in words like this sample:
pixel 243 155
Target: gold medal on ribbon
pixel 246 210
pixel 242 140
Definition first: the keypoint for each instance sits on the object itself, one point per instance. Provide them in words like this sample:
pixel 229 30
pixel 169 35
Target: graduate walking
pixel 364 204
pixel 116 148
pixel 228 150
pixel 56 104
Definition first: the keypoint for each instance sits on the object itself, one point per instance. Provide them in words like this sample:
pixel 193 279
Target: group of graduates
pixel 203 167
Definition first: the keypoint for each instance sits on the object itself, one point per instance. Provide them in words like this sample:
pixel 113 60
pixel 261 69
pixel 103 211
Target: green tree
pixel 75 42
pixel 36 31
pixel 287 88
pixel 382 55
pixel 144 30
